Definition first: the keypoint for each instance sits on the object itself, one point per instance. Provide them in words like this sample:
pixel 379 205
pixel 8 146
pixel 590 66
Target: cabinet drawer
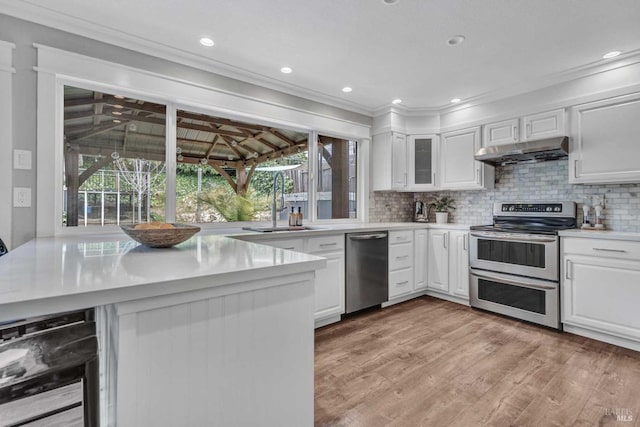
pixel 397 237
pixel 400 282
pixel 400 256
pixel 326 243
pixel 621 249
pixel 290 244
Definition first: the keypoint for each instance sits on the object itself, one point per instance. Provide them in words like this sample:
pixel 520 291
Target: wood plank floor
pixel 429 362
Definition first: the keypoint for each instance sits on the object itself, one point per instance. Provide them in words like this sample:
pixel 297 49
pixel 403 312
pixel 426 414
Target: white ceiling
pixel 382 51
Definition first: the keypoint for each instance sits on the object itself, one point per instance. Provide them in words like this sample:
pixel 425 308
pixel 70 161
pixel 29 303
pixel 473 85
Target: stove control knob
pixel 512 208
pixel 549 208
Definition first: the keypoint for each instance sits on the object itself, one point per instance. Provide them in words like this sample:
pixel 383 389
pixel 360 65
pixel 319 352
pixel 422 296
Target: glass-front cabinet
pixel 422 155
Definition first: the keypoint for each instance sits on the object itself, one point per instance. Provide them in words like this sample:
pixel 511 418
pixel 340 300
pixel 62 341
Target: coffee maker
pixel 420 211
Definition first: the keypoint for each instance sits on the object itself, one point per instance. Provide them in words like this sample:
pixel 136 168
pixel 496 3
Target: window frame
pixel 57 68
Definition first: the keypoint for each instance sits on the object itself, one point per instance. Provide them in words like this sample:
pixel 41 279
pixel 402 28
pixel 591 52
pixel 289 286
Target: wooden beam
pixel 95 167
pixel 226 176
pixel 94 131
pixel 282 137
pixel 220 121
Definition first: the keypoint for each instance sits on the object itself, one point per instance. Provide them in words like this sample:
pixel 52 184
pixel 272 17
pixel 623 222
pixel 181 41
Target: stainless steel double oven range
pixel 514 264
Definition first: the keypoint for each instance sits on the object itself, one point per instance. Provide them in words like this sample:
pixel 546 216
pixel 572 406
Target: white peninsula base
pixel 238 355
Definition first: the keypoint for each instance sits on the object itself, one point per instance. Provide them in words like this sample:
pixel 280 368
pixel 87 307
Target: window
pixel 115 166
pixel 114 159
pixel 337 179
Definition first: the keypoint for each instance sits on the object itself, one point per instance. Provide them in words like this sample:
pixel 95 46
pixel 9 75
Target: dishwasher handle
pixel 373 236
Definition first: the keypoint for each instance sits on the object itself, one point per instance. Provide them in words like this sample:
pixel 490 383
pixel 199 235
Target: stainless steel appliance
pixel 367 282
pixel 525 152
pixel 514 263
pixel 420 211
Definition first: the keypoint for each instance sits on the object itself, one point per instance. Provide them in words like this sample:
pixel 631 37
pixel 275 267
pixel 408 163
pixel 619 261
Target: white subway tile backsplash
pixel 535 182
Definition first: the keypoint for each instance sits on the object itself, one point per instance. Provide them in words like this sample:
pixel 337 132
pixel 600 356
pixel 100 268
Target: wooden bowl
pixel 161 237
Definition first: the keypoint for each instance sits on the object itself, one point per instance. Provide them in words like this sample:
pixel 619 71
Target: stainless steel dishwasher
pixel 367 275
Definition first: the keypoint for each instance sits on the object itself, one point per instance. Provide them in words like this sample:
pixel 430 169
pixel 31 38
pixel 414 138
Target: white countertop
pixel 49 275
pixel 605 234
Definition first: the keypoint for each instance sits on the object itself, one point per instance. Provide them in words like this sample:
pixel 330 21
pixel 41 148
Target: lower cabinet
pixel 601 289
pixel 448 272
pixel 329 282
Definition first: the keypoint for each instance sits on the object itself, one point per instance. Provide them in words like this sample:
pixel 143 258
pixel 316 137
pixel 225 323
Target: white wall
pixel 6 144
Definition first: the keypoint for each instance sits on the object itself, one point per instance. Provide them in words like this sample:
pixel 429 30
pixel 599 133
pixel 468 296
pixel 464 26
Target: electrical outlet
pixel 21 197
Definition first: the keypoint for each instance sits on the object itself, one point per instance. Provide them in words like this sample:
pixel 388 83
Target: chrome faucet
pixel 274 209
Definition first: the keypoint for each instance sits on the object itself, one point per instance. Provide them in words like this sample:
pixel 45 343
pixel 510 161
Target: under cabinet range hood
pixel 525 152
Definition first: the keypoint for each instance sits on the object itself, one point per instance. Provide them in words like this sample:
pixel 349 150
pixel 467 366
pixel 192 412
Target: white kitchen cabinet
pixel 534 126
pixel 422 162
pixel 389 170
pixel 448 270
pixel 605 145
pixel 543 125
pixel 601 289
pixel 504 132
pixel 438 271
pixel 459 264
pixel 400 263
pixel 420 259
pixel 459 169
pixel 329 282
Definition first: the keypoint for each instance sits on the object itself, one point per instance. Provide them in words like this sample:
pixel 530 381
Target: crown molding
pixel 101 33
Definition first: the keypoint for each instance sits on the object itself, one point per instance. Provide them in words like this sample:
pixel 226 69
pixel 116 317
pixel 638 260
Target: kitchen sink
pixel 277 229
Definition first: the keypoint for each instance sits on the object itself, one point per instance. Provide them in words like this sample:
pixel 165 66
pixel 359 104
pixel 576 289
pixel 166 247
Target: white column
pixel 6 141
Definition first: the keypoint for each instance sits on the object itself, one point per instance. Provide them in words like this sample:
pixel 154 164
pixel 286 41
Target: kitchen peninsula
pixel 191 334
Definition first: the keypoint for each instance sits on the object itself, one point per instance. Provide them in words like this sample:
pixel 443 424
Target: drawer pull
pixel 328 244
pixel 609 250
pixel 567 268
pixel 402 257
pixel 406 282
pixel 289 249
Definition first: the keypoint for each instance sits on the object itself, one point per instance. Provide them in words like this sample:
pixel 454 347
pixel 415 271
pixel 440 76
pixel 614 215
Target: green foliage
pixel 233 207
pixel 443 204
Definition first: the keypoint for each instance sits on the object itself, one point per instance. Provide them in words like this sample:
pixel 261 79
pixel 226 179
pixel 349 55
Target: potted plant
pixel 442 206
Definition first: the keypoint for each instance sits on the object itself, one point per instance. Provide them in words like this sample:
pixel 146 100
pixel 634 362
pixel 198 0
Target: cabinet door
pixel 422 164
pixel 438 271
pixel 459 168
pixel 329 286
pixel 605 145
pixel 399 161
pixel 544 125
pixel 602 294
pixel 505 132
pixel 459 263
pixel 420 251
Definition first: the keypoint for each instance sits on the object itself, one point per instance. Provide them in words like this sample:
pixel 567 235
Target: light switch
pixel 21 197
pixel 21 159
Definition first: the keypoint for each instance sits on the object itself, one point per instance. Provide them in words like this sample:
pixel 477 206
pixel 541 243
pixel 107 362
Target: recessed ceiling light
pixel 456 100
pixel 611 54
pixel 389 1
pixel 206 41
pixel 346 89
pixel 456 40
pixel 397 101
pixel 286 70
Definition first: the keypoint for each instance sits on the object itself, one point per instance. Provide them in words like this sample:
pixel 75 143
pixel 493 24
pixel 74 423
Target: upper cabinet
pixel 605 145
pixel 459 169
pixel 535 126
pixel 413 162
pixel 422 151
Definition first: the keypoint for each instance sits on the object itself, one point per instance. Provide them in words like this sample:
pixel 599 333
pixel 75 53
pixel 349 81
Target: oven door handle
pixel 528 239
pixel 512 282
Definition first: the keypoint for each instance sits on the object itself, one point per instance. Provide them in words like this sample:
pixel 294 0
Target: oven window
pixel 519 253
pixel 513 296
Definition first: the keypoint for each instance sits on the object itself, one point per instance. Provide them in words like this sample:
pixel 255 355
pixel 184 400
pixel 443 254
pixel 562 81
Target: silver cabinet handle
pixel 528 130
pixel 515 133
pixel 610 250
pixel 289 249
pixel 575 168
pixel 512 282
pixel 567 268
pixel 444 241
pixel 479 181
pixel 368 236
pixel 328 244
pixel 464 242
pixel 402 283
pixel 434 179
pixel 402 257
